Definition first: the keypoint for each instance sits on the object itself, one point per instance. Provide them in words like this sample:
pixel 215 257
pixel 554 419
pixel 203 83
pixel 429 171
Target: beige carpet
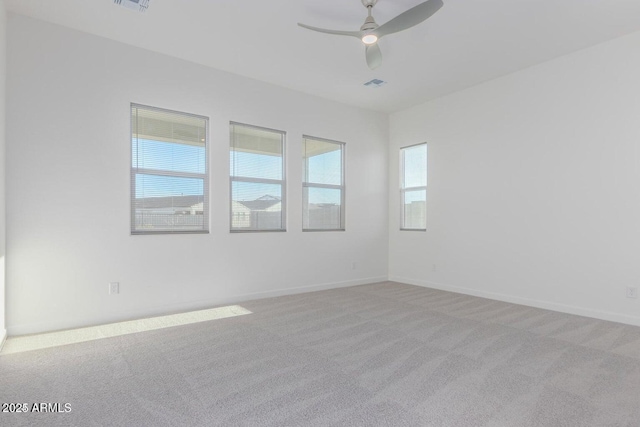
pixel 385 354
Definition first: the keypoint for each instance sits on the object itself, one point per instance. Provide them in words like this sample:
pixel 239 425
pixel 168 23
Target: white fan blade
pixel 374 56
pixel 408 19
pixel 336 32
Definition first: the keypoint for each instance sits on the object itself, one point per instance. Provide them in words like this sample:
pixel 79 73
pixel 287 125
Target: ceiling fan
pixel 370 32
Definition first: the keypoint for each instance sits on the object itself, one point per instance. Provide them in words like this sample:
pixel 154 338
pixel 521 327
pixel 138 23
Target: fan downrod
pixel 369 23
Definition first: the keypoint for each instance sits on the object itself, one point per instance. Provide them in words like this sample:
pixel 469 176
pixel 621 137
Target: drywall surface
pixel 533 186
pixel 68 187
pixel 3 63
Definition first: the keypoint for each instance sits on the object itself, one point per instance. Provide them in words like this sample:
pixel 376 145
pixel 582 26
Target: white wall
pixel 534 186
pixel 3 56
pixel 68 187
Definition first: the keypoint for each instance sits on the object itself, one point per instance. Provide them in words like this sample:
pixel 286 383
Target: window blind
pixel 169 173
pixel 323 189
pixel 413 187
pixel 257 179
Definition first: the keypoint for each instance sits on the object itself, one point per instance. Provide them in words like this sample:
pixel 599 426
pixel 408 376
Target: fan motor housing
pixel 369 24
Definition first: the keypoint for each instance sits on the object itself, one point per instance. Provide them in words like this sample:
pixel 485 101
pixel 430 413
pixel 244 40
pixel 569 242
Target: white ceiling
pixel 463 44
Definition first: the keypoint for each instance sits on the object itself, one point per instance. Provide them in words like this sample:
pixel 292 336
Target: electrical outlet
pixel 632 292
pixel 114 288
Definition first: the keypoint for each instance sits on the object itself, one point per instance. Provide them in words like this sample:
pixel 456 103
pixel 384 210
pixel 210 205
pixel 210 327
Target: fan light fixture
pixel 369 39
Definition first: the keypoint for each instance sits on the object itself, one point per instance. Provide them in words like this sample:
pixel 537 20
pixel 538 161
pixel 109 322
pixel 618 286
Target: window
pixel 323 186
pixel 413 187
pixel 169 175
pixel 257 179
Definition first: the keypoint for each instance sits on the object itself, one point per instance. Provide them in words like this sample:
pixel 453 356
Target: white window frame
pixel 404 190
pixel 341 187
pixel 282 182
pixel 162 172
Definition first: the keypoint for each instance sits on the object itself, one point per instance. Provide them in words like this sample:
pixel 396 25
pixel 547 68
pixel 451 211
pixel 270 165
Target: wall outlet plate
pixel 114 288
pixel 632 292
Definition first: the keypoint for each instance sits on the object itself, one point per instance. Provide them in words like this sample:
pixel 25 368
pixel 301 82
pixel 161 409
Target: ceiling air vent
pixel 139 5
pixel 375 83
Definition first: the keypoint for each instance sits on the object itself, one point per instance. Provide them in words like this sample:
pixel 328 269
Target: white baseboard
pixel 3 337
pixel 547 305
pixel 43 327
pixel 309 288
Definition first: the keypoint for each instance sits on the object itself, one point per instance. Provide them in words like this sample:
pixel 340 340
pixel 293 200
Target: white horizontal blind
pixel 323 186
pixel 169 174
pixel 257 179
pixel 413 187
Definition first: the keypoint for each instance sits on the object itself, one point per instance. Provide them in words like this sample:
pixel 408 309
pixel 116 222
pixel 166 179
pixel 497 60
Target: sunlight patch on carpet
pixel 72 336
